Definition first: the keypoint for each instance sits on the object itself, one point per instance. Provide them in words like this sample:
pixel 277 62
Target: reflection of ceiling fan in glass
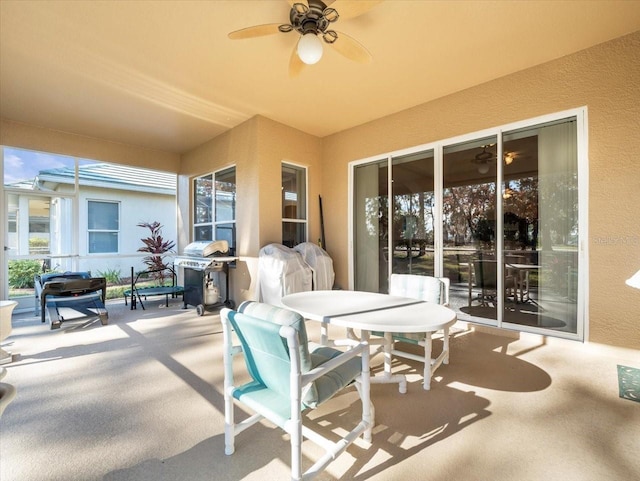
pixel 483 159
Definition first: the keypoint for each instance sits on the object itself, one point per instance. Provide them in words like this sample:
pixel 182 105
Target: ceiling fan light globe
pixel 310 48
pixel 483 168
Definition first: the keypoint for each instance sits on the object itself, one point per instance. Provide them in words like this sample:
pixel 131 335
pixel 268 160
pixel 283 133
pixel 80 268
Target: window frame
pixel 212 222
pixel 94 231
pixel 303 215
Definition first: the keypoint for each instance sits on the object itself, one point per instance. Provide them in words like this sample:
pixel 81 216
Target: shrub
pixel 22 272
pixel 112 276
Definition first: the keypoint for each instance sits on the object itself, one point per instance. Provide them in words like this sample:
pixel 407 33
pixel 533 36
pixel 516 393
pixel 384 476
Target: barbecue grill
pixel 203 261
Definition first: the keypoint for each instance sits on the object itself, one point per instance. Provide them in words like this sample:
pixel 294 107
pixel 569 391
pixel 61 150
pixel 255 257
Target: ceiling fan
pixel 312 19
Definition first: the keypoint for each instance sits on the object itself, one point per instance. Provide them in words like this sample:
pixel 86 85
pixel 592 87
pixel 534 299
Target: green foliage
pixel 155 244
pixel 116 292
pixel 22 272
pixel 112 276
pixel 38 242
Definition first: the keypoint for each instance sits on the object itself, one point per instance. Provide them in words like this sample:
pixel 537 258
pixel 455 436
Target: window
pixel 294 205
pixel 103 224
pixel 215 207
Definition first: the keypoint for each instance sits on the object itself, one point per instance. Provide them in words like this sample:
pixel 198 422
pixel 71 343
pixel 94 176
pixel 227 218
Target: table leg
pixel 367 411
pixel 324 334
pixel 387 377
pixel 428 372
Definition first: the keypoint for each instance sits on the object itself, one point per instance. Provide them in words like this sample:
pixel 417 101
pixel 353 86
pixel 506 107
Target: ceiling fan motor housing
pixel 312 19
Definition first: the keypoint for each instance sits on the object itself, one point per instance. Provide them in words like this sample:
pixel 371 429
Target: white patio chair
pixel 7 392
pixel 424 288
pixel 288 377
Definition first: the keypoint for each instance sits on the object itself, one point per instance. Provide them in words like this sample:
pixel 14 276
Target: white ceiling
pixel 164 75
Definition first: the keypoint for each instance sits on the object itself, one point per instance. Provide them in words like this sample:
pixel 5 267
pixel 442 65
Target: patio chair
pixel 485 275
pixel 424 288
pixel 7 392
pixel 289 376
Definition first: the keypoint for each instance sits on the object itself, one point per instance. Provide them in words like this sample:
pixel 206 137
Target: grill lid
pixel 207 248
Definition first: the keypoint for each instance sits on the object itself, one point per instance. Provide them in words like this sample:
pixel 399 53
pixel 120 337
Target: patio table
pixel 370 311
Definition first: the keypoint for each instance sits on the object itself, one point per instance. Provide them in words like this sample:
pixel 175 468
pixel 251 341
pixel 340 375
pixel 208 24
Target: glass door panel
pixel 413 214
pixel 371 227
pixel 469 227
pixel 540 205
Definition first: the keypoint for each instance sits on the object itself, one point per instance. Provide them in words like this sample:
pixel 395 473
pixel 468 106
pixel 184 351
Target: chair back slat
pixel 424 288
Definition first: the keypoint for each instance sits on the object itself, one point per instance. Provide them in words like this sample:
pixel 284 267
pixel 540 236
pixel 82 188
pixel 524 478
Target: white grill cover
pixel 281 271
pixel 321 265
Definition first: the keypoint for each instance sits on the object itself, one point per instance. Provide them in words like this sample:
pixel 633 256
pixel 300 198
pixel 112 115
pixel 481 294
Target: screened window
pixel 294 205
pixel 103 225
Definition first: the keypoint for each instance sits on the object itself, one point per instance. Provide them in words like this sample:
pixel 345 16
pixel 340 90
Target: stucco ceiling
pixel 164 75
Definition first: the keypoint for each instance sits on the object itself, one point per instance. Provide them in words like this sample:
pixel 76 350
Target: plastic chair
pixel 7 392
pixel 6 308
pixel 289 376
pixel 424 288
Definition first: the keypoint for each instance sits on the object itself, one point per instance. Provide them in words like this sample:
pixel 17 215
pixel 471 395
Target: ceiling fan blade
pixel 351 48
pixel 255 31
pixel 353 8
pixel 295 64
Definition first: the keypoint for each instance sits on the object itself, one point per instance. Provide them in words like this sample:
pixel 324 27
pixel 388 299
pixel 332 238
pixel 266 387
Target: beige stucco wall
pixel 606 79
pixel 257 148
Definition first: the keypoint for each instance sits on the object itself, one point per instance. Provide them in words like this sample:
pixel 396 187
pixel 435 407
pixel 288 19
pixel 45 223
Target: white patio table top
pixel 370 311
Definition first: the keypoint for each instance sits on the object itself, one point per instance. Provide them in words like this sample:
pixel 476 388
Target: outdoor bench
pixel 136 292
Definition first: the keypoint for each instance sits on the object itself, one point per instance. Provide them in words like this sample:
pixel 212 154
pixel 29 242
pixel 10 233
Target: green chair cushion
pixel 281 317
pixel 267 359
pixel 335 380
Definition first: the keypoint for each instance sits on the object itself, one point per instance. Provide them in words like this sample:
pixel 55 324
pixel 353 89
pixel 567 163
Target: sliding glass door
pixel 541 224
pixel 499 214
pixel 413 210
pixel 469 226
pixel 397 236
pixel 371 226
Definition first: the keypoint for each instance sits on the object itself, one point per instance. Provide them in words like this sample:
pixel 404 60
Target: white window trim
pixel 118 230
pixel 213 222
pixel 304 221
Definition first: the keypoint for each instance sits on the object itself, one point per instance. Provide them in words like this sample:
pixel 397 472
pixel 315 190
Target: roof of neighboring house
pixel 110 176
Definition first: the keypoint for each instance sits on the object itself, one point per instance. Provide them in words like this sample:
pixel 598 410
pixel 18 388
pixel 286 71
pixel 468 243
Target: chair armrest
pixel 330 365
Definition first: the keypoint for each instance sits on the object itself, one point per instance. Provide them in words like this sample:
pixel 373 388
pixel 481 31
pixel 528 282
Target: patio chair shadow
pixel 407 424
pixel 206 460
pixel 478 360
pixel 398 434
